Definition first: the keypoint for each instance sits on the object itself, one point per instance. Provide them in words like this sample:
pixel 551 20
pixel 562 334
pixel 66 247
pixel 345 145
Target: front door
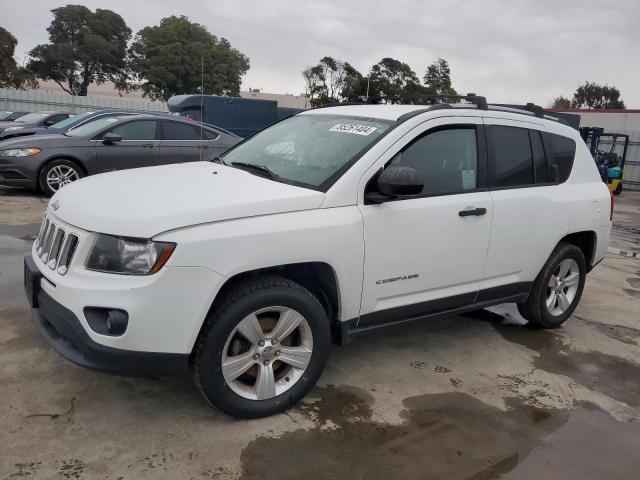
pixel 427 253
pixel 139 146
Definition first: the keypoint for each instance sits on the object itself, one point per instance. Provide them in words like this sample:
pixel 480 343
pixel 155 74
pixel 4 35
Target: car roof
pixel 400 113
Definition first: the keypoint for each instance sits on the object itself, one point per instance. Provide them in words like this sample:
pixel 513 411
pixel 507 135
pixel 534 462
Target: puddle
pixel 448 435
pixel 634 282
pixel 620 333
pixel 612 376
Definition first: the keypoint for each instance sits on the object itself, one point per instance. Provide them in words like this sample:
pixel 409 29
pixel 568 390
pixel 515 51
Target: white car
pixel 327 225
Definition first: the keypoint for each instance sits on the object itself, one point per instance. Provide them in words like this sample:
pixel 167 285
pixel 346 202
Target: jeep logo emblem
pixel 56 205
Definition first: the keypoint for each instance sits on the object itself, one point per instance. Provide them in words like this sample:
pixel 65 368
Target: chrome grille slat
pixel 55 249
pixel 55 246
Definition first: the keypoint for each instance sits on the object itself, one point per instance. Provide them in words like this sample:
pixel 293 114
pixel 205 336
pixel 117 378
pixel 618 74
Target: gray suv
pixel 48 162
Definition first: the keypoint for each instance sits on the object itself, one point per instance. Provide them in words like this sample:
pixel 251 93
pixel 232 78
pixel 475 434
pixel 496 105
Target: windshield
pixel 68 121
pixel 309 149
pixel 5 115
pixel 92 127
pixel 32 117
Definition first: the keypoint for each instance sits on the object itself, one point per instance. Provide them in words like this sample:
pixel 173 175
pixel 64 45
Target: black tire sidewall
pixel 564 251
pixel 212 382
pixel 42 176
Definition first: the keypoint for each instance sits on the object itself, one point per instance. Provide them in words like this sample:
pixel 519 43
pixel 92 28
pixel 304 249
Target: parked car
pixel 35 119
pixel 6 116
pixel 48 162
pixel 327 225
pixel 73 122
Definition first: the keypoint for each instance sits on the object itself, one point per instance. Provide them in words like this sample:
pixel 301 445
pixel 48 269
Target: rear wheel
pixel 58 173
pixel 262 349
pixel 557 289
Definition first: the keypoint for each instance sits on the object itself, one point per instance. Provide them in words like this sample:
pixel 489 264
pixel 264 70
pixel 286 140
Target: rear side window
pixel 510 156
pixel 563 151
pixel 447 160
pixel 540 167
pixel 180 131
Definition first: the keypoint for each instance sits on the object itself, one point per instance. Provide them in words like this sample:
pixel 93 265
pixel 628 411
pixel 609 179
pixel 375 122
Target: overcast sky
pixel 508 50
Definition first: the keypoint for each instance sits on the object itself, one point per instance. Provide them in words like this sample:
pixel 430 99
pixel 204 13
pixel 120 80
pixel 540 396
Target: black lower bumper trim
pixel 63 332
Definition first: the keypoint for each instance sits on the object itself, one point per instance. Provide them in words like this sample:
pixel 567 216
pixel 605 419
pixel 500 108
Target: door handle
pixel 202 147
pixel 148 145
pixel 469 211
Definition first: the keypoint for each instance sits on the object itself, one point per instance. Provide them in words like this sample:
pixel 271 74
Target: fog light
pixel 107 321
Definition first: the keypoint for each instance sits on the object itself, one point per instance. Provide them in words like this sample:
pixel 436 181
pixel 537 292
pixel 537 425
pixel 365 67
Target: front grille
pixel 55 246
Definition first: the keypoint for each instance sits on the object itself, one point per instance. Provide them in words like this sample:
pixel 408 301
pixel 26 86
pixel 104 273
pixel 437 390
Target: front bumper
pixel 19 171
pixel 64 332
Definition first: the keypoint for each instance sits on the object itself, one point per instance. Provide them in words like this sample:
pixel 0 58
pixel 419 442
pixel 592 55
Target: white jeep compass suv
pixel 329 224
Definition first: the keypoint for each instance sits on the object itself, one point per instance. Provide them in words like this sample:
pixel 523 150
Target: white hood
pixel 144 202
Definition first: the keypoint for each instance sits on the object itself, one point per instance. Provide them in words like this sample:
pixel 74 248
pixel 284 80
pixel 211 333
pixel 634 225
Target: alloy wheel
pixel 563 286
pixel 267 353
pixel 61 175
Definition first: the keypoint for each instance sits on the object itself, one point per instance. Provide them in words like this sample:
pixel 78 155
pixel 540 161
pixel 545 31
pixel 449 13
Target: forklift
pixel 610 164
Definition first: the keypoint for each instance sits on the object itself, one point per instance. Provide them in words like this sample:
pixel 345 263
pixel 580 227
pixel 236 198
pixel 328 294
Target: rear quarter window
pixel 562 152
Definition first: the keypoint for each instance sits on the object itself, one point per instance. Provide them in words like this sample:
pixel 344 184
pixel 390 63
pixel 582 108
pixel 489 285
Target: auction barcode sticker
pixel 353 128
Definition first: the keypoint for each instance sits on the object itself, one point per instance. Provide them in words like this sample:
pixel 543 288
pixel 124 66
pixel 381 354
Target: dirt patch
pixel 620 333
pixel 634 282
pixel 632 292
pixel 449 435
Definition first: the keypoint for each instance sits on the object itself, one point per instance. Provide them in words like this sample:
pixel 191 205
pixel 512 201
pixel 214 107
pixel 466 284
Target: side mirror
pixel 111 138
pixel 400 181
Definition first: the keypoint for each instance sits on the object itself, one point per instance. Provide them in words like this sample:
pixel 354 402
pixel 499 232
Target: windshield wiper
pixel 259 169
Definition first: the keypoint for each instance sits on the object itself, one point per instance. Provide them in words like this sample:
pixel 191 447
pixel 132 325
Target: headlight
pixel 130 256
pixel 11 129
pixel 19 152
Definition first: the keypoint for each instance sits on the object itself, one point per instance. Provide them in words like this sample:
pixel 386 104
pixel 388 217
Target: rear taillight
pixel 612 202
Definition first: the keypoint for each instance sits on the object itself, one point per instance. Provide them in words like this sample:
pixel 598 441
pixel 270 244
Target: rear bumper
pixel 63 332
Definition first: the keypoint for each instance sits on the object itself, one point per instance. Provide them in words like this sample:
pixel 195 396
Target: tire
pixel 545 310
pixel 618 189
pixel 271 300
pixel 65 170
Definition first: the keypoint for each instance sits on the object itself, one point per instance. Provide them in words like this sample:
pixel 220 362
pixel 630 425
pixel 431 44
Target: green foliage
pixel 561 102
pixel 438 78
pixel 170 59
pixel 592 95
pixel 391 80
pixel 11 74
pixel 84 47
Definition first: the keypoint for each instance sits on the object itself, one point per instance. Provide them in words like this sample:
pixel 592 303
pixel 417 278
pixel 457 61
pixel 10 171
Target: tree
pixel 390 80
pixel 85 47
pixel 592 95
pixel 179 56
pixel 561 102
pixel 354 85
pixel 438 78
pixel 12 75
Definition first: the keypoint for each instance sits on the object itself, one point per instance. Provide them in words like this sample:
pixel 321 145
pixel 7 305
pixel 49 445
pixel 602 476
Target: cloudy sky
pixel 508 50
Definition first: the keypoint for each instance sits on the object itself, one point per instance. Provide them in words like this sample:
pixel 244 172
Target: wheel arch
pixel 319 278
pixel 69 158
pixel 586 241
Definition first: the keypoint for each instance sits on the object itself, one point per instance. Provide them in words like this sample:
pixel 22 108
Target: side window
pixel 56 119
pixel 209 134
pixel 180 131
pixel 510 156
pixel 541 170
pixel 563 152
pixel 447 159
pixel 136 130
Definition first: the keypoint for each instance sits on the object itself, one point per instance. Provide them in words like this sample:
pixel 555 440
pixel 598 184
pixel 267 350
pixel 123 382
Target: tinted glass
pixel 92 127
pixel 564 151
pixel 309 149
pixel 510 156
pixel 71 119
pixel 32 117
pixel 209 134
pixel 136 130
pixel 446 159
pixel 5 115
pixel 539 159
pixel 56 118
pixel 180 131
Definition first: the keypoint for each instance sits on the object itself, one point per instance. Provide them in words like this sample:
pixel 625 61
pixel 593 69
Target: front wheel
pixel 58 173
pixel 557 289
pixel 262 349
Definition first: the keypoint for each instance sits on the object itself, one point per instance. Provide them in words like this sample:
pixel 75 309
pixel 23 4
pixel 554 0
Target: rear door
pixel 186 142
pixel 139 146
pixel 530 214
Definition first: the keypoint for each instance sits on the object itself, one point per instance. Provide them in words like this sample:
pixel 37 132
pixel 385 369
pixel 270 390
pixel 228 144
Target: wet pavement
pixel 478 396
